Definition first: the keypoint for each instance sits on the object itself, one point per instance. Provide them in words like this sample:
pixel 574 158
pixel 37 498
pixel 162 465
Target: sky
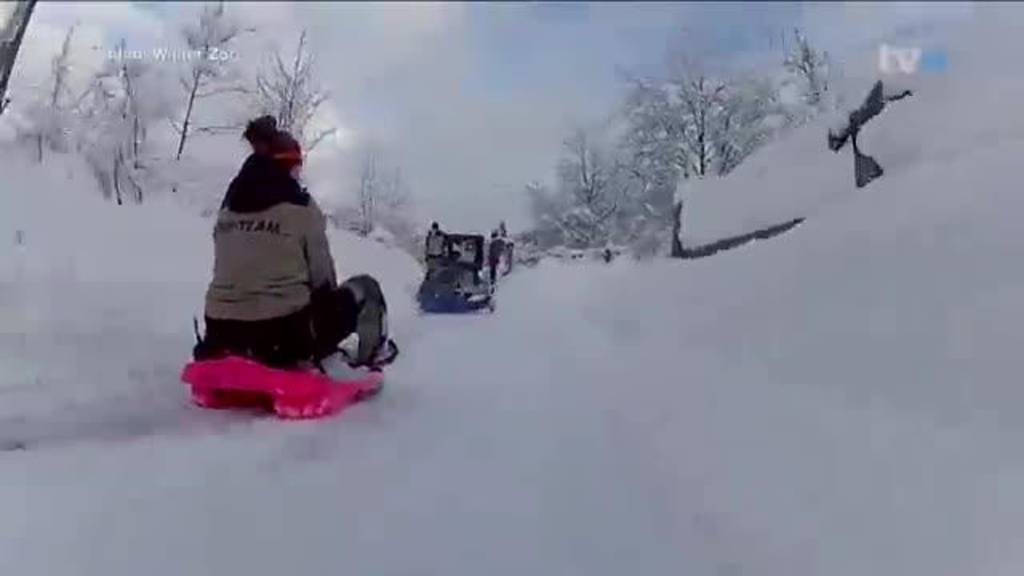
pixel 473 100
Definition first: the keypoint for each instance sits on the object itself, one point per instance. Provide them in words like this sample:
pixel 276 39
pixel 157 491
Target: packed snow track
pixel 490 452
pixel 560 435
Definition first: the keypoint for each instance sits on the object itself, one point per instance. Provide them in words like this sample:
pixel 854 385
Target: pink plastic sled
pixel 235 382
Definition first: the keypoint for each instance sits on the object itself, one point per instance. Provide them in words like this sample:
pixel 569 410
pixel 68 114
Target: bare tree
pixel 47 116
pixel 113 117
pixel 742 124
pixel 587 177
pixel 207 74
pixel 382 202
pixel 592 187
pixel 810 68
pixel 394 212
pixel 11 34
pixel 290 93
pixel 368 193
pixel 394 196
pixel 807 81
pixel 130 74
pixel 137 107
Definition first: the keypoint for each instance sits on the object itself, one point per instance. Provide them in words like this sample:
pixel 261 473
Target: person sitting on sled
pixel 274 296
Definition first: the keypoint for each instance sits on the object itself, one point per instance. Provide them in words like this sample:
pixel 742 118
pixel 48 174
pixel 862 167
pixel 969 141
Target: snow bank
pixel 840 400
pixel 56 225
pixel 68 231
pixel 798 176
pixel 843 394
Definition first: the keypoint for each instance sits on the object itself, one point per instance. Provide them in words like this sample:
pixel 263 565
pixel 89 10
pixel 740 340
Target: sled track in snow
pixel 113 420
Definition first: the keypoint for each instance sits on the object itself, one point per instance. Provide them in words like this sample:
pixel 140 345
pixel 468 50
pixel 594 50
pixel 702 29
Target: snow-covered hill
pixel 970 107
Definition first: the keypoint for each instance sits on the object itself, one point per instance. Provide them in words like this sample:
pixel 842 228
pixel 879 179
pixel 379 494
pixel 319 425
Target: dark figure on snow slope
pixel 495 250
pixel 434 252
pixel 274 295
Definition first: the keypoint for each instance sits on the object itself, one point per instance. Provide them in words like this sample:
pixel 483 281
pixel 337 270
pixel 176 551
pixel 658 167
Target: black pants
pixel 310 334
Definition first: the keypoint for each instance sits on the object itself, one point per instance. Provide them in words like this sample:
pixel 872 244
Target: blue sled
pixel 451 303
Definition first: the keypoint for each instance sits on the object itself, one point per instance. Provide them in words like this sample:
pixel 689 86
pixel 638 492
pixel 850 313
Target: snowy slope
pixel 798 176
pixel 841 400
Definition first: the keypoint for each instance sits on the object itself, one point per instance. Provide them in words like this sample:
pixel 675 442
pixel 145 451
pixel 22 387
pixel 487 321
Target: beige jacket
pixel 270 248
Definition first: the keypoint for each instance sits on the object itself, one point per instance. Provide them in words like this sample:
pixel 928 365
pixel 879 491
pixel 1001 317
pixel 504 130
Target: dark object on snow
pixel 865 168
pixel 706 250
pixel 899 96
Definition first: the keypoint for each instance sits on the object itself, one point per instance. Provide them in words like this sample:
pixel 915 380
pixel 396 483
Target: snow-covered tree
pixel 125 99
pixel 644 216
pixel 47 119
pixel 381 203
pixel 750 113
pixel 583 209
pixel 808 78
pixel 544 210
pixel 702 125
pixel 592 183
pixel 395 212
pixel 288 90
pixel 208 71
pixel 368 192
